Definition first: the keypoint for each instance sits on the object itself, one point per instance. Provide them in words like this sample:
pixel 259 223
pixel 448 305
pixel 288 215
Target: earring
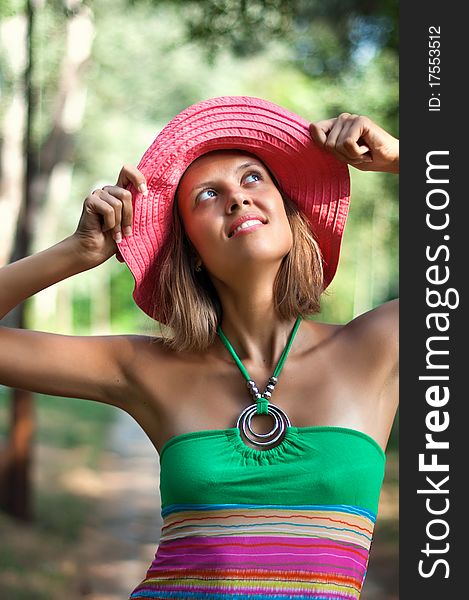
pixel 198 268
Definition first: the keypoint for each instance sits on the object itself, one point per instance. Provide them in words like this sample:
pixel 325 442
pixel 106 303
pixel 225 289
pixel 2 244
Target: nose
pixel 237 199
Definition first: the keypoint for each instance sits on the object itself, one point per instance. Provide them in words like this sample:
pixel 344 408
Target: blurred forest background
pixel 85 87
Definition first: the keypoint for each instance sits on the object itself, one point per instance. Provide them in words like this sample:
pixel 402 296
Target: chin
pixel 252 256
pixel 254 262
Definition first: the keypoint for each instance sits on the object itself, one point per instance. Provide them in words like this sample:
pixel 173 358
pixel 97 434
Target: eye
pixel 206 195
pixel 252 177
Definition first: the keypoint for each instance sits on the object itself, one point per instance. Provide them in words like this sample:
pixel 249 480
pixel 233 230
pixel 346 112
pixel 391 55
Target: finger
pixel 116 205
pixel 338 133
pixel 331 129
pixel 94 204
pixel 130 174
pixel 110 208
pixel 352 160
pixel 125 198
pixel 320 129
pixel 350 141
pixel 365 159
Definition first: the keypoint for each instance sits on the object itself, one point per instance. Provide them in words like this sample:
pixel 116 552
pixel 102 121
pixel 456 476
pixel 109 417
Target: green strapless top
pixel 312 465
pixel 294 521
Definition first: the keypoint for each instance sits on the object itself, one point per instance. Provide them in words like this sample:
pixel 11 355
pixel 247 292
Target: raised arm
pixel 75 366
pixel 358 141
pixel 374 335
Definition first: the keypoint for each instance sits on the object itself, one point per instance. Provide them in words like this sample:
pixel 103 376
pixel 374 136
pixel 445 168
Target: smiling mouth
pixel 251 223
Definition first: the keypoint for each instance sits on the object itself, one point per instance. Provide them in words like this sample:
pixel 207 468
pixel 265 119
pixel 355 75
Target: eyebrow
pixel 249 163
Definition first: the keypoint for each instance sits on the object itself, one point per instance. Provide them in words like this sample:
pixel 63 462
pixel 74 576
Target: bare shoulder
pixel 143 350
pixel 386 314
pixel 377 329
pixel 372 343
pixel 368 344
pixel 150 368
pixel 165 388
pixel 376 332
pixel 358 379
pixel 136 354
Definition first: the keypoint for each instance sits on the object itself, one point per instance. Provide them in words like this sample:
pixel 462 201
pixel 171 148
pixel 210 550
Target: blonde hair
pixel 187 300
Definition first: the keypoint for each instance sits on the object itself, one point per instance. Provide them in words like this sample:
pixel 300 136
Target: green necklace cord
pixel 261 399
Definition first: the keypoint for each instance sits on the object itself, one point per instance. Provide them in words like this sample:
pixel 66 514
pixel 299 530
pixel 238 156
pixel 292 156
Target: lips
pixel 246 222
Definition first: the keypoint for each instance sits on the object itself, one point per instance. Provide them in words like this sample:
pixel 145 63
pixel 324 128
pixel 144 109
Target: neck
pixel 251 324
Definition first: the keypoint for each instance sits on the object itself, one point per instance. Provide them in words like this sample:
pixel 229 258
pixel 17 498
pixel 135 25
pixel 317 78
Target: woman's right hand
pixel 107 216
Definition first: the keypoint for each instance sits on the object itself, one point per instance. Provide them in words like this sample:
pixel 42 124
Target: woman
pixel 231 226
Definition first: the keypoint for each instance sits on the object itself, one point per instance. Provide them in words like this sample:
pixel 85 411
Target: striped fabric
pixel 265 552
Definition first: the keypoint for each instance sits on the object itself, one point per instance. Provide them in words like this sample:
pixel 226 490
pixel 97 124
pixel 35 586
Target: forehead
pixel 219 159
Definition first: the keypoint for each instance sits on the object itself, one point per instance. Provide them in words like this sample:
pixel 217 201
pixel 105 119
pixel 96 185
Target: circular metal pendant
pixel 281 422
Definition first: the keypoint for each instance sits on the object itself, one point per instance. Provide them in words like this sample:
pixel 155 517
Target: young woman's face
pixel 233 213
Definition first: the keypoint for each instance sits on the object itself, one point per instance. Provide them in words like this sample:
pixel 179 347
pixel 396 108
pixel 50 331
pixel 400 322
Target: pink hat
pixel 311 177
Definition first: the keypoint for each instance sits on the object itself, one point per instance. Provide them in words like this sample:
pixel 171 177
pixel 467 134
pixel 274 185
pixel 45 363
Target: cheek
pixel 202 237
pixel 287 237
pixel 190 226
pixel 284 229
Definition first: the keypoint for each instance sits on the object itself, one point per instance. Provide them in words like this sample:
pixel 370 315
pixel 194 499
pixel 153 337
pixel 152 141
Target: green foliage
pixel 66 423
pixel 336 36
pixel 9 8
pixel 328 36
pixel 149 61
pixel 243 26
pixel 48 43
pixel 340 56
pixel 124 315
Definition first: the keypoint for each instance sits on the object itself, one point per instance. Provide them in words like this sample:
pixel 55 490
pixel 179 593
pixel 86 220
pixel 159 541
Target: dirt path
pixel 123 532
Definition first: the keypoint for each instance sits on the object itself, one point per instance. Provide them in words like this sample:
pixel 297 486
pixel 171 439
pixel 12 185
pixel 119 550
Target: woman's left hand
pixel 358 141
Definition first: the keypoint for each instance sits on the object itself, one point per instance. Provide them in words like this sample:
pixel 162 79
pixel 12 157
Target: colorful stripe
pixel 266 552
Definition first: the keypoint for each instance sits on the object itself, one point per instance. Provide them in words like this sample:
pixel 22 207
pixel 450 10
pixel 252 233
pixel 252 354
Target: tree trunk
pixel 15 466
pixel 16 485
pixel 13 37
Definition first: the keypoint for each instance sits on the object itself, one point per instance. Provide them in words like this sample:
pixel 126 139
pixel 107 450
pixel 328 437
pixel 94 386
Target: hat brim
pixel 312 178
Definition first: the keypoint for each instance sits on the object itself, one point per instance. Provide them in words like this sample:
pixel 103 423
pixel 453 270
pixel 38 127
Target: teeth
pixel 246 224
